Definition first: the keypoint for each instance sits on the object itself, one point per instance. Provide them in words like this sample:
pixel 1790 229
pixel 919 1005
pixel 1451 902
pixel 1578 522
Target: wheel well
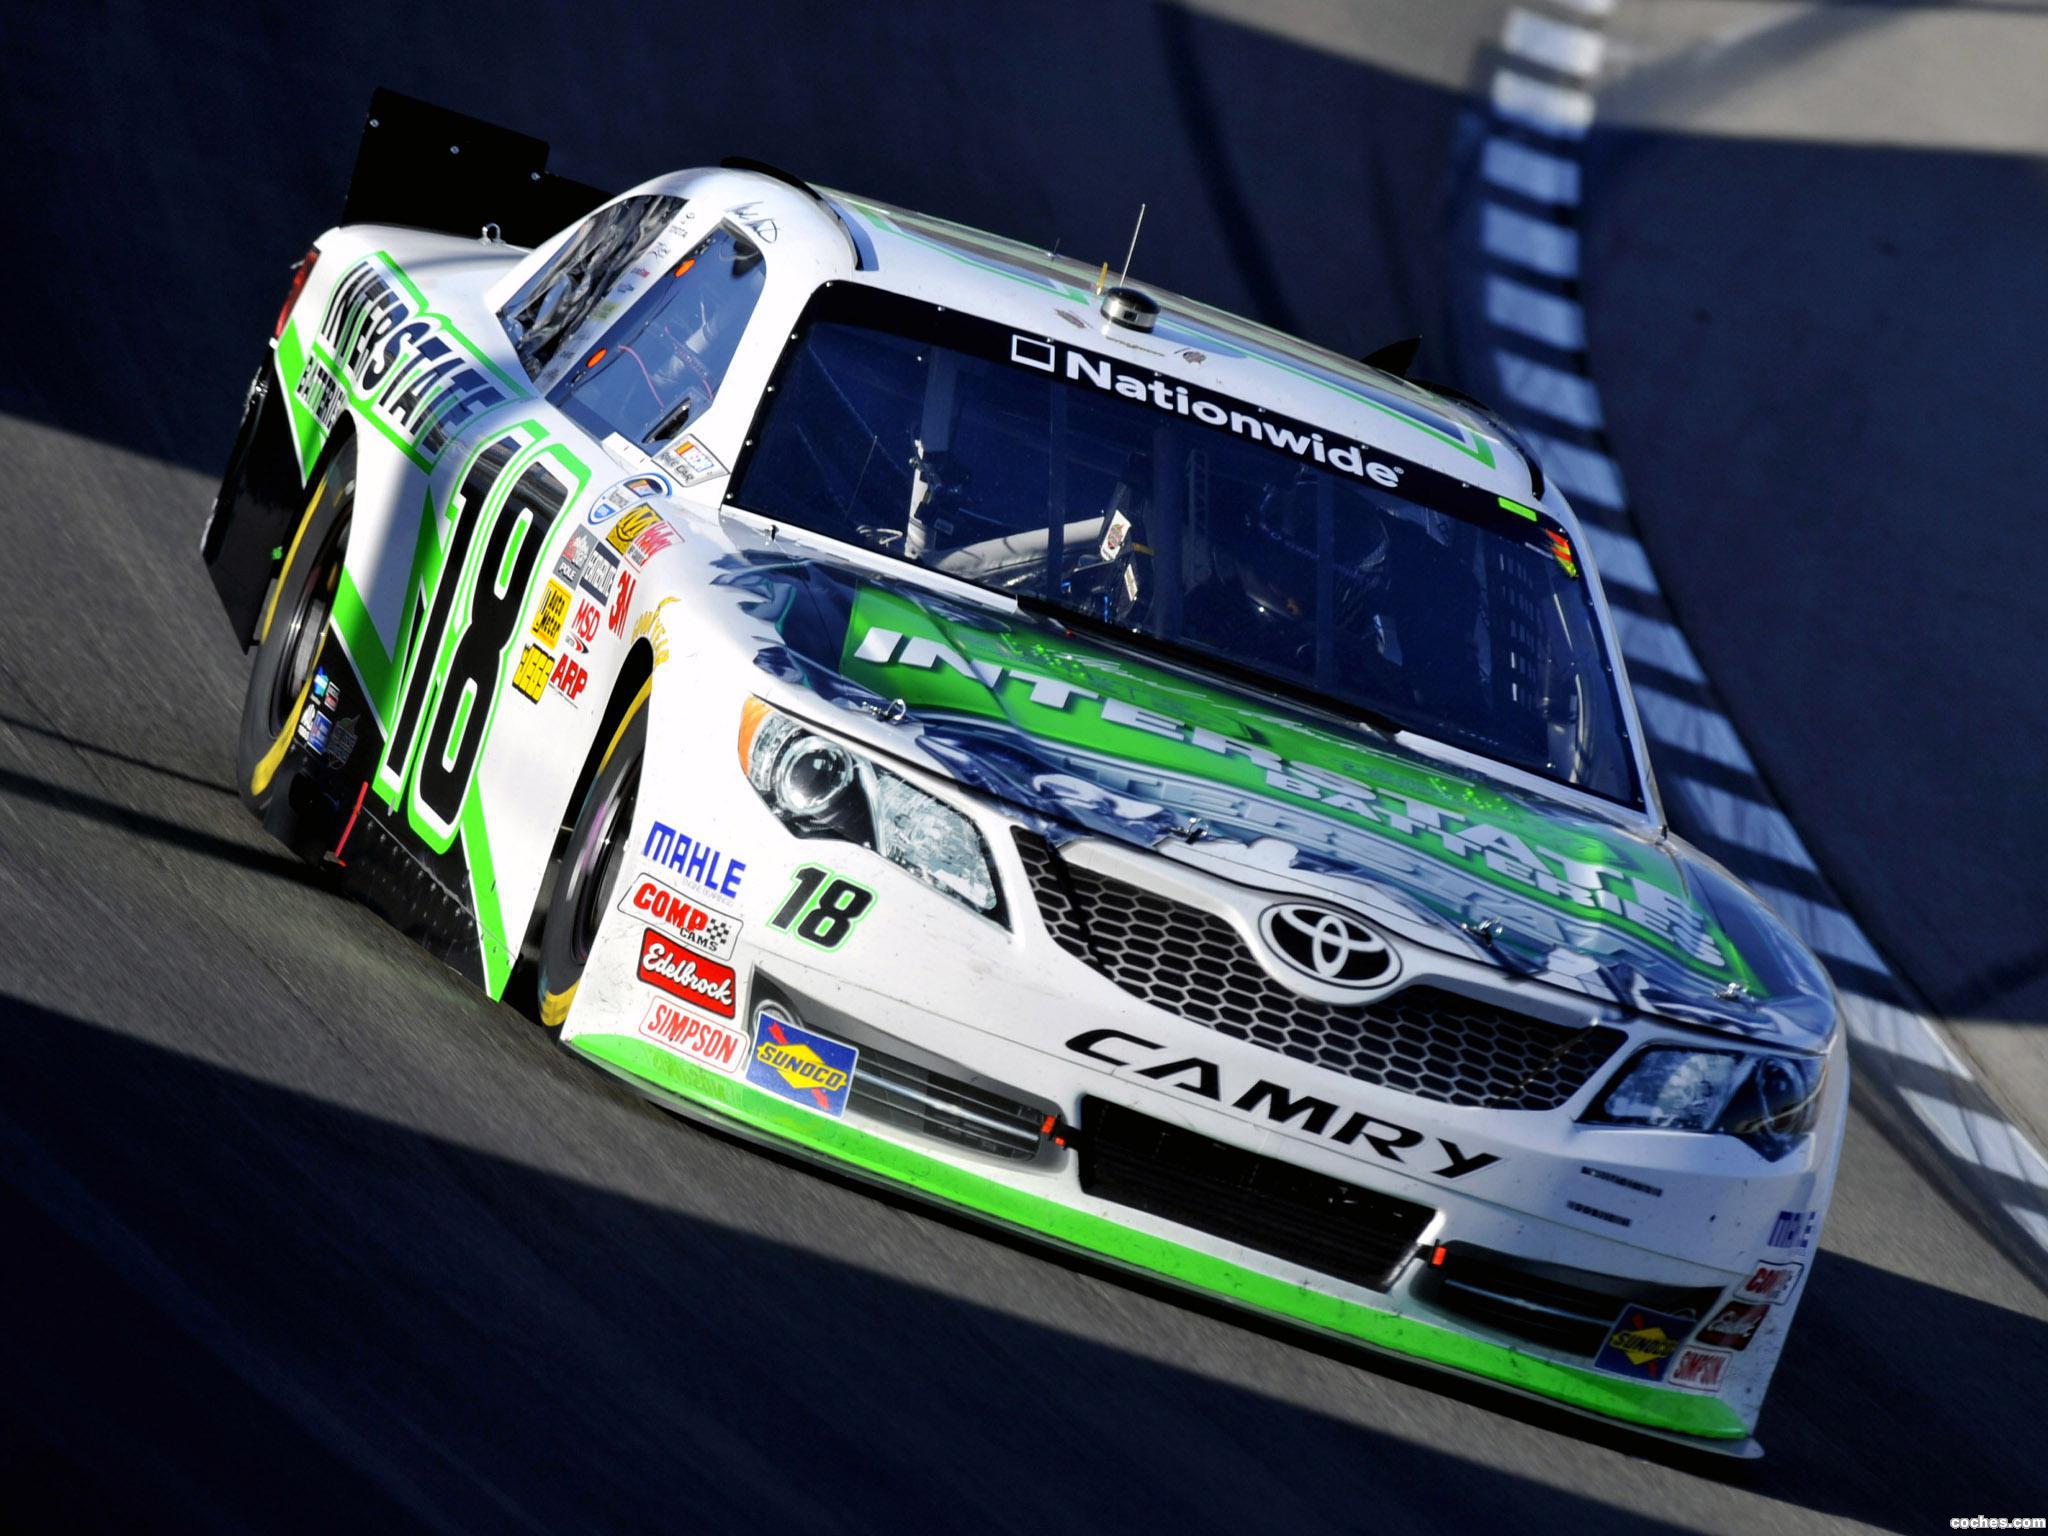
pixel 633 673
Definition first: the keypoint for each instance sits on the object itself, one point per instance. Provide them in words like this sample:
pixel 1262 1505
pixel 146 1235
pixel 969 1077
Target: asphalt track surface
pixel 305 1234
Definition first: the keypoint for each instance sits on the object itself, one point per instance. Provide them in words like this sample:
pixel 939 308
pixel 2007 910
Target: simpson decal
pixel 707 1042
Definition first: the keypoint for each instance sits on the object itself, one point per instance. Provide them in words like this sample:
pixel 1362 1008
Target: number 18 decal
pixel 822 907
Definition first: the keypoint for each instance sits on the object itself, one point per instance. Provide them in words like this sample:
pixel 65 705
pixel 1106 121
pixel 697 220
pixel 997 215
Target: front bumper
pixel 924 985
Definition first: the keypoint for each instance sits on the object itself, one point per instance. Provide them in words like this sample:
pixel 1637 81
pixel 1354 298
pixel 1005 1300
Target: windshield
pixel 1174 513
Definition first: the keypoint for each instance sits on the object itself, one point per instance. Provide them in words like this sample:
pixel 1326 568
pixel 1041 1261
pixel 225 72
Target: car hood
pixel 1079 736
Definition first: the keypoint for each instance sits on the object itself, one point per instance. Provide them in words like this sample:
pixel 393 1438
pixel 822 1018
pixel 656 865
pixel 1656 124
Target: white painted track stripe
pixel 1978 1138
pixel 1879 1026
pixel 1657 643
pixel 1828 931
pixel 1555 45
pixel 1692 729
pixel 1566 397
pixel 1539 177
pixel 2033 1222
pixel 1620 558
pixel 1746 823
pixel 1556 110
pixel 1585 473
pixel 1593 8
pixel 1546 248
pixel 1530 311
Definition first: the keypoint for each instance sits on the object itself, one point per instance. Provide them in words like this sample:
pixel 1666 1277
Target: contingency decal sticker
pixel 1641 1343
pixel 794 1063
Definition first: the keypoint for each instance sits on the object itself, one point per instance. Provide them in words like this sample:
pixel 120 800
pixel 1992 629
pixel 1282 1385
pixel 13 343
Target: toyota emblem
pixel 1333 947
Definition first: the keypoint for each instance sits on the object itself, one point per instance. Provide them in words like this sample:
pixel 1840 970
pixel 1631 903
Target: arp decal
pixel 1771 1282
pixel 1201 1078
pixel 822 907
pixel 696 979
pixel 805 1068
pixel 1699 1370
pixel 1735 1324
pixel 707 932
pixel 707 1042
pixel 569 678
pixel 715 873
pixel 502 512
pixel 1642 1343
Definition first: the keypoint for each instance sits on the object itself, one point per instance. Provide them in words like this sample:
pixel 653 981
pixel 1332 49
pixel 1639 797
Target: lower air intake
pixel 1568 1310
pixel 1305 1218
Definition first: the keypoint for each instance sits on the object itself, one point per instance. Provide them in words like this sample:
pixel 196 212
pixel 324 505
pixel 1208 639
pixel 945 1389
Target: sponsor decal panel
pixel 1642 1343
pixel 342 740
pixel 627 493
pixel 711 870
pixel 1793 1229
pixel 1280 1106
pixel 320 392
pixel 599 568
pixel 569 565
pixel 622 604
pixel 583 628
pixel 530 677
pixel 629 525
pixel 569 677
pixel 1700 1370
pixel 652 543
pixel 689 461
pixel 707 1042
pixel 804 1067
pixel 554 608
pixel 1771 1282
pixel 708 932
pixel 1735 1324
pixel 697 979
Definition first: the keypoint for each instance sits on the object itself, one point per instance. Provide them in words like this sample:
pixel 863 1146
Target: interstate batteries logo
pixel 1642 1344
pixel 807 1069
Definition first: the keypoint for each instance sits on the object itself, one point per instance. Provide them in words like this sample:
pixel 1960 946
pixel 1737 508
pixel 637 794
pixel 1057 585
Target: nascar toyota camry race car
pixel 1060 749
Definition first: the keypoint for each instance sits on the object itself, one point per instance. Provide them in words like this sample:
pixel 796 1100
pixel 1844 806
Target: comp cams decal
pixel 708 932
pixel 1276 1104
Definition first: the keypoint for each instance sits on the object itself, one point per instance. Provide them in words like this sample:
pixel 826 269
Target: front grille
pixel 1568 1310
pixel 1291 1213
pixel 926 1103
pixel 1421 1040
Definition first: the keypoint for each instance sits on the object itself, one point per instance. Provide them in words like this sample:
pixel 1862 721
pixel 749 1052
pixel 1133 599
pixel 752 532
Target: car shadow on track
pixel 253 1306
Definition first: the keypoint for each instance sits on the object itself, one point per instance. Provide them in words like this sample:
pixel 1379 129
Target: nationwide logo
pixel 805 1068
pixel 701 982
pixel 1735 1324
pixel 1332 946
pixel 1772 1282
pixel 1700 1370
pixel 1642 1343
pixel 704 1041
pixel 709 933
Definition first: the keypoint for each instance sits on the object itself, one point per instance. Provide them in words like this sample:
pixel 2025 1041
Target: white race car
pixel 1075 754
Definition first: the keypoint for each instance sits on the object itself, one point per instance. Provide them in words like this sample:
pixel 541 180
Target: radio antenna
pixel 1134 246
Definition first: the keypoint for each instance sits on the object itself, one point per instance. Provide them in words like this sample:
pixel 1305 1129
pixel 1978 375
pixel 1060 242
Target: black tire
pixel 292 632
pixel 588 875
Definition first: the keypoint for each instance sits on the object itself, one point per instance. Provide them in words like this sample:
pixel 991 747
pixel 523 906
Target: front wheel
pixel 589 872
pixel 294 630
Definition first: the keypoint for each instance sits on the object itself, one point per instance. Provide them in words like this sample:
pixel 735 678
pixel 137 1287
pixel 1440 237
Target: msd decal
pixel 703 866
pixel 583 629
pixel 710 933
pixel 700 982
pixel 704 1041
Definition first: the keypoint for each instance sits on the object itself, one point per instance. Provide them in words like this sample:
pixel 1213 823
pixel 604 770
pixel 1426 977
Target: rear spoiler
pixel 429 168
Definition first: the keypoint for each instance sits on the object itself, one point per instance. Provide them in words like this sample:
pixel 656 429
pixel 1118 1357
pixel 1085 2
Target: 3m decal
pixel 554 608
pixel 1735 1324
pixel 530 677
pixel 822 907
pixel 1642 1343
pixel 1771 1282
pixel 696 979
pixel 622 604
pixel 1700 1370
pixel 1793 1229
pixel 652 543
pixel 720 1047
pixel 569 678
pixel 707 932
pixel 699 863
pixel 501 520
pixel 1201 1078
pixel 803 1067
pixel 631 523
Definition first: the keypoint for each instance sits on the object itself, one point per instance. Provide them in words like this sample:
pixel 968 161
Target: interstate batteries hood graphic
pixel 1086 736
